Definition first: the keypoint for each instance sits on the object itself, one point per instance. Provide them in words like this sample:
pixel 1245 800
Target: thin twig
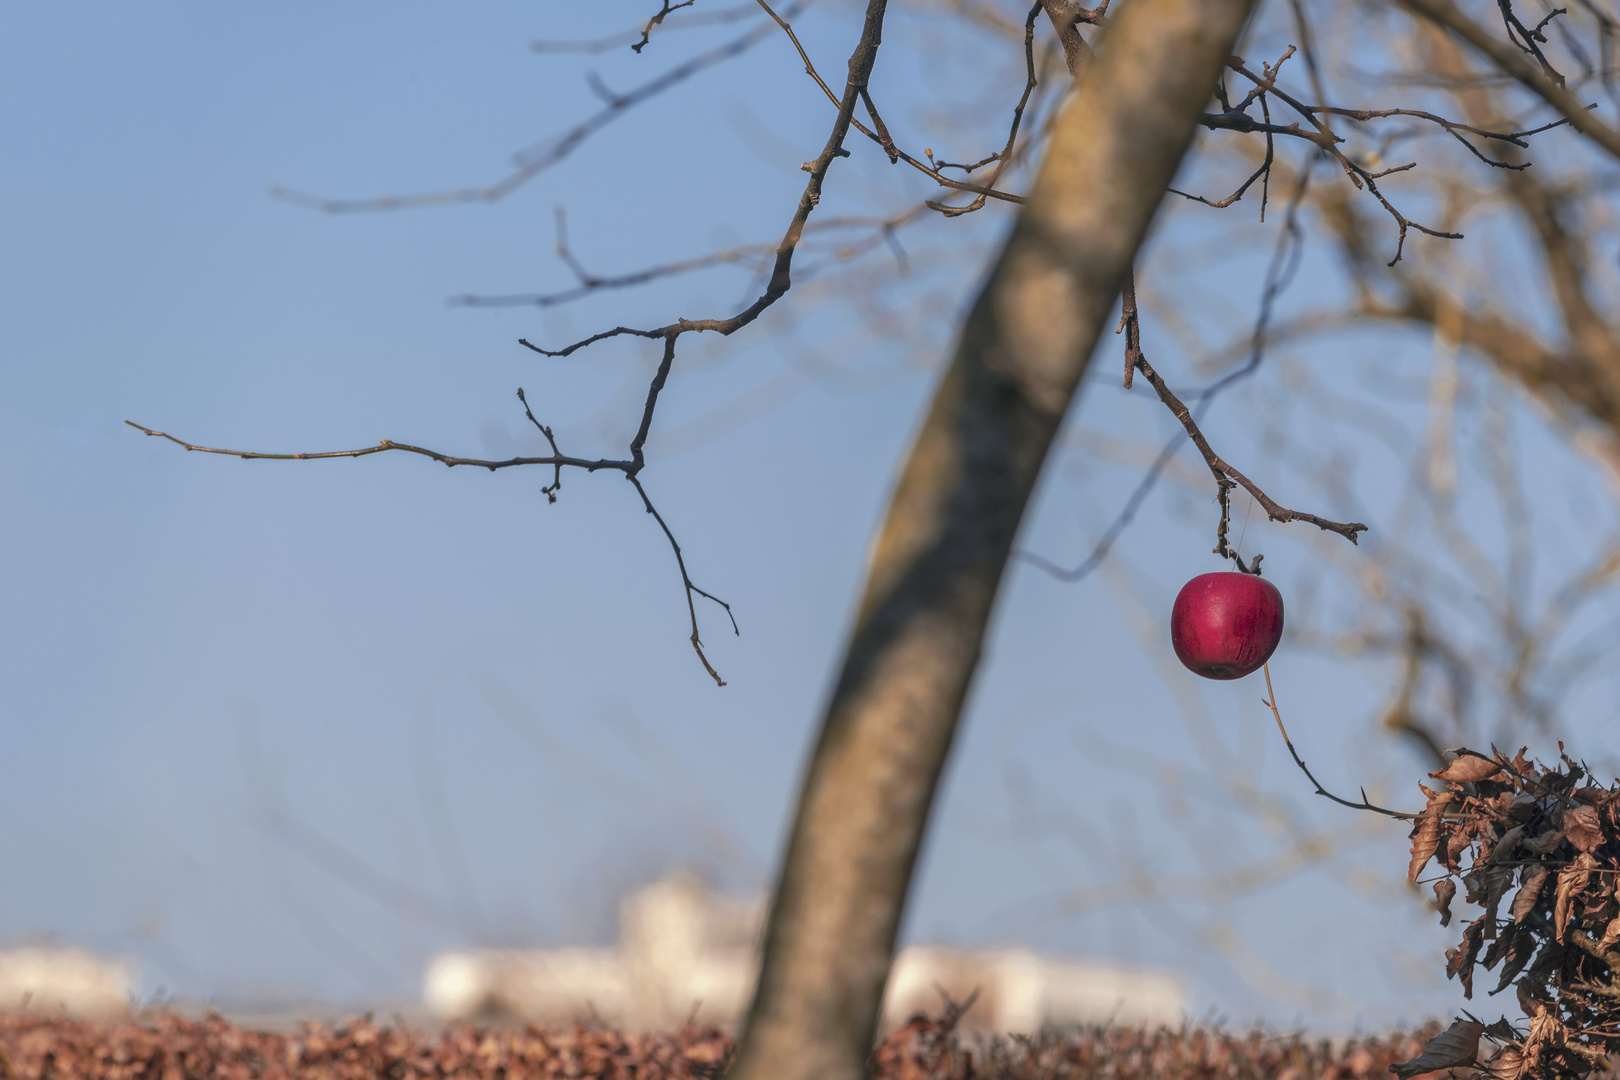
pixel 860 68
pixel 536 159
pixel 1120 523
pixel 887 144
pixel 1005 155
pixel 629 37
pixel 557 461
pixel 686 580
pixel 387 445
pixel 646 31
pixel 1284 264
pixel 1324 138
pixel 1224 470
pixel 1530 41
pixel 1320 790
pixel 880 231
pixel 550 492
pixel 1507 58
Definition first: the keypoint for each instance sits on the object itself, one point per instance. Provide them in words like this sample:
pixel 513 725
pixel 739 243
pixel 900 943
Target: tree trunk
pixel 943 545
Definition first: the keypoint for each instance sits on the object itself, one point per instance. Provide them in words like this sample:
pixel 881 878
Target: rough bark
pixel 944 543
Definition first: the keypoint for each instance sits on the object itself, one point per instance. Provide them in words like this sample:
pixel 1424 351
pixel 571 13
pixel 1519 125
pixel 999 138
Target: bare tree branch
pixel 557 460
pixel 879 230
pixel 1578 378
pixel 1511 60
pixel 1284 263
pixel 629 37
pixel 1324 138
pixel 878 133
pixel 1005 155
pixel 542 156
pixel 663 12
pixel 1222 470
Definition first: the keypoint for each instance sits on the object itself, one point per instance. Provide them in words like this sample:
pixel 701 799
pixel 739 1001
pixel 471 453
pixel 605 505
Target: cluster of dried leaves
pixel 1500 824
pixel 163 1046
pixel 168 1047
pixel 929 1049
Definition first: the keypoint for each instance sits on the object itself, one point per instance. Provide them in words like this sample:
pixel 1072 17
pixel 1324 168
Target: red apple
pixel 1226 625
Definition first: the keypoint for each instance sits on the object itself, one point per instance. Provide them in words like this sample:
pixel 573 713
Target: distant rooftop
pixel 688 952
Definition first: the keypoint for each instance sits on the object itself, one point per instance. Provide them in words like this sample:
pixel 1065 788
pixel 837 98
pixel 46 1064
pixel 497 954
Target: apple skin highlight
pixel 1226 625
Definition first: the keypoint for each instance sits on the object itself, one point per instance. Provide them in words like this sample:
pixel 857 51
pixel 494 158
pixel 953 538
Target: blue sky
pixel 277 729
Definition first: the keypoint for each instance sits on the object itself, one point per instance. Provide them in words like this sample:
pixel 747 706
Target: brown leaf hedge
pixel 163 1046
pixel 1536 849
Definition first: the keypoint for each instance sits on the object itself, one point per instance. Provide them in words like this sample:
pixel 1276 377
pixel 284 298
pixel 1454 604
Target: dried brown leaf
pixel 1467 769
pixel 1571 880
pixel 1438 801
pixel 1517 946
pixel 1529 892
pixel 1444 891
pixel 1494 953
pixel 1488 884
pixel 1510 1064
pixel 1583 827
pixel 1520 807
pixel 159 1046
pixel 1425 839
pixel 1546 1031
pixel 1546 843
pixel 1460 961
pixel 1504 848
pixel 1457 842
pixel 1548 957
pixel 1486 887
pixel 1457 1045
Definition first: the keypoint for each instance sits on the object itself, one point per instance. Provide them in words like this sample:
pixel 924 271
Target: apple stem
pixel 1252 568
pixel 1223 495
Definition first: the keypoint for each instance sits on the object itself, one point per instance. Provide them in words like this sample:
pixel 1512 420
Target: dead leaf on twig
pixel 1525 902
pixel 1467 769
pixel 1583 828
pixel 1425 839
pixel 1457 1045
pixel 1571 880
pixel 1503 849
pixel 1444 891
pixel 1517 946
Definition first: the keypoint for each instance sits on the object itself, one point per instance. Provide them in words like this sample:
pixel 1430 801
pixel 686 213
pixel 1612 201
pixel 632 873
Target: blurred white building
pixel 66 982
pixel 686 952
